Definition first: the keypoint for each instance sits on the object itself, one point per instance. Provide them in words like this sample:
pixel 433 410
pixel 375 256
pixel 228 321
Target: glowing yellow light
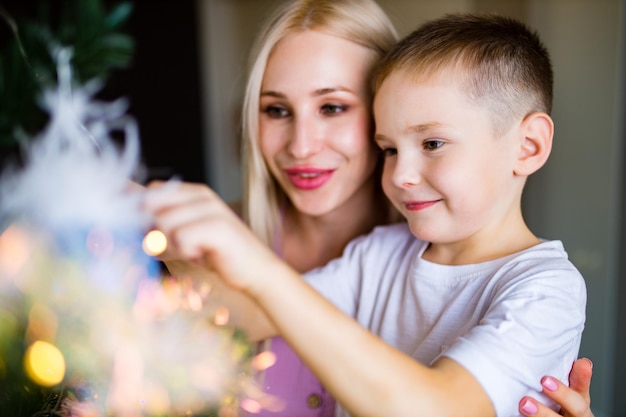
pixel 154 243
pixel 14 251
pixel 264 360
pixel 251 406
pixel 194 301
pixel 221 316
pixel 44 363
pixel 205 289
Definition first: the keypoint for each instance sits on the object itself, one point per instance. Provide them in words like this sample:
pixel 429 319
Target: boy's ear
pixel 536 131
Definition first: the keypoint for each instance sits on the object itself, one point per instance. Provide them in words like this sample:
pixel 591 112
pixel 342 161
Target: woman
pixel 311 165
pixel 312 169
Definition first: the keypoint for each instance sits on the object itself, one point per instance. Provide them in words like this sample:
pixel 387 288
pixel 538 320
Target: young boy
pixel 462 309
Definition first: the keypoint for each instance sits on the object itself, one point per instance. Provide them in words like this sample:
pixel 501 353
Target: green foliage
pixel 27 63
pixel 27 67
pixel 19 397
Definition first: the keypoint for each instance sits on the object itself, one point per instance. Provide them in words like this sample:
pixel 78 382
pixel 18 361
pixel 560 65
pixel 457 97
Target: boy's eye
pixel 330 109
pixel 276 112
pixel 388 152
pixel 431 145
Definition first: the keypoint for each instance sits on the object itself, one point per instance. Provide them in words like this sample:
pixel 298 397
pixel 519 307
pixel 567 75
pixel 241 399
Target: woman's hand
pixel 574 400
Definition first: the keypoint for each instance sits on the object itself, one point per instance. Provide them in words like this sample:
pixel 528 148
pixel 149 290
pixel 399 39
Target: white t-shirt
pixel 508 321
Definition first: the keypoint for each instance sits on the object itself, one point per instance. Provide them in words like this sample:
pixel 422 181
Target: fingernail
pixel 590 363
pixel 549 384
pixel 529 407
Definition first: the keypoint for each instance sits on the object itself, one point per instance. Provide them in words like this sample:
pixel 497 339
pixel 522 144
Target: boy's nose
pixel 406 172
pixel 305 138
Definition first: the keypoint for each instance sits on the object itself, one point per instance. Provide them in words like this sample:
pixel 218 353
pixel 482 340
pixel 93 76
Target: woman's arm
pixel 574 400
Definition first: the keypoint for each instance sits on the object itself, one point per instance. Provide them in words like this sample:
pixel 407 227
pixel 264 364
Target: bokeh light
pixel 264 360
pixel 221 317
pixel 44 363
pixel 251 406
pixel 155 243
pixel 14 251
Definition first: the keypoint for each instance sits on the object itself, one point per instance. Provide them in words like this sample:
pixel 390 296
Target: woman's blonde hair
pixel 359 21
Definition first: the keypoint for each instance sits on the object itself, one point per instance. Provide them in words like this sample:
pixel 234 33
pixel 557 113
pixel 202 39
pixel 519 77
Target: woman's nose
pixel 306 137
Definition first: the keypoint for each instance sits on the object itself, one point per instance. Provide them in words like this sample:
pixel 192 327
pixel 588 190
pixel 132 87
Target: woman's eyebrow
pixel 271 93
pixel 329 90
pixel 316 93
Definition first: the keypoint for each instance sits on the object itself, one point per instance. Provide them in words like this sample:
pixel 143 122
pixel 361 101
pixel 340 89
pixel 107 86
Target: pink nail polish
pixel 529 407
pixel 549 384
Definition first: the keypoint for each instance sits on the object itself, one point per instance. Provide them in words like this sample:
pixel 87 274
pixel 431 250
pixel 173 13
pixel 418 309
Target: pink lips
pixel 308 178
pixel 419 205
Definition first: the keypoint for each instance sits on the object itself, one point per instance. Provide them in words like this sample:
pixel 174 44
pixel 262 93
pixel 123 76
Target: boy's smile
pixel 445 168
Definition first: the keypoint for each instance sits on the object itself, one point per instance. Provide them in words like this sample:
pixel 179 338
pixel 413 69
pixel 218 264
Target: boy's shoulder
pixel 546 264
pixel 547 254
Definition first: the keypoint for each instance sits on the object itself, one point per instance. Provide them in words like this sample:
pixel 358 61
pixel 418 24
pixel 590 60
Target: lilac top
pixel 289 379
pixel 301 393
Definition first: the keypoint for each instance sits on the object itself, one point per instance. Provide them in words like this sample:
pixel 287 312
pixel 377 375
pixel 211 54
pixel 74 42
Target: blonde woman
pixel 311 166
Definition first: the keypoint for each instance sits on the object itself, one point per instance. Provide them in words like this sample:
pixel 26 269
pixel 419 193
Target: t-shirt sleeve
pixel 532 328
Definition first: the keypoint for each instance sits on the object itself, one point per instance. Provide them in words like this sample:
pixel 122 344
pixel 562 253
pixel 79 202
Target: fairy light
pixel 264 360
pixel 154 243
pixel 251 406
pixel 44 363
pixel 14 251
pixel 221 317
pixel 194 301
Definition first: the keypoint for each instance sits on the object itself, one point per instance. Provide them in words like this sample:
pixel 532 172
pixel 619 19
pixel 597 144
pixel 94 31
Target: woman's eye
pixel 331 109
pixel 431 145
pixel 276 112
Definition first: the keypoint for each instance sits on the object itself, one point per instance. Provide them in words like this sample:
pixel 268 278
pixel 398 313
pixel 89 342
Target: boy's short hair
pixel 503 64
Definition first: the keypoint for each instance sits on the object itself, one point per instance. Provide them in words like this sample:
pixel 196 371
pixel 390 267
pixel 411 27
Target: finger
pixel 171 217
pixel 133 186
pixel 580 377
pixel 155 184
pixel 163 194
pixel 572 403
pixel 187 242
pixel 530 407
